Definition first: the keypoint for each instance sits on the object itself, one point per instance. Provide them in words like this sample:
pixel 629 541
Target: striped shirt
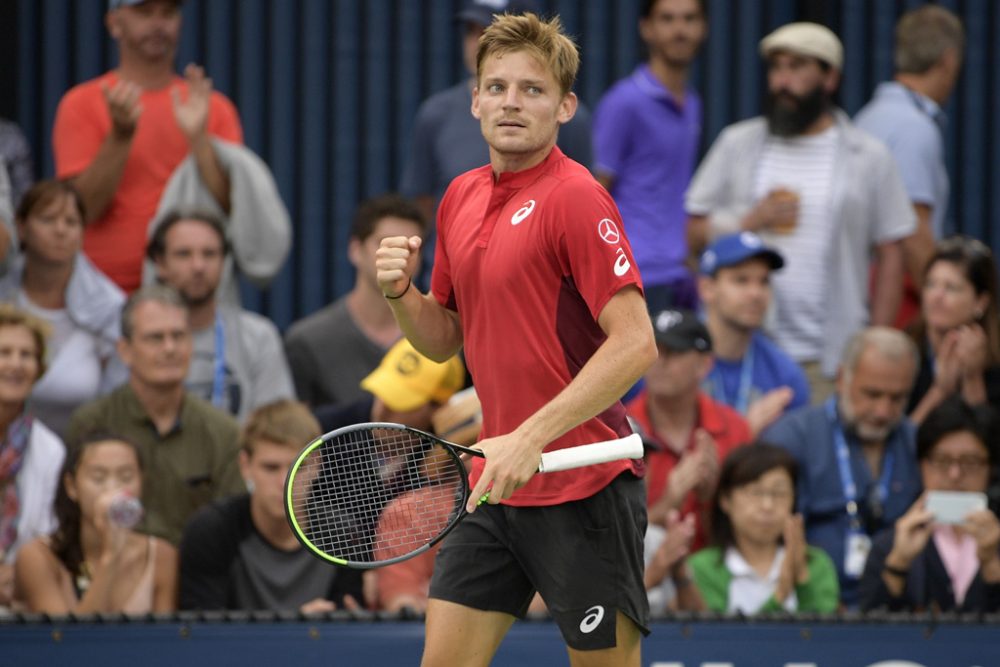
pixel 805 166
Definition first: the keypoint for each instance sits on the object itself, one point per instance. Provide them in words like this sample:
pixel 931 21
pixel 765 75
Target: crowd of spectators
pixel 828 357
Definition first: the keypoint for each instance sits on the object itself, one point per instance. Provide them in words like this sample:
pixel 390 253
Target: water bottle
pixel 125 510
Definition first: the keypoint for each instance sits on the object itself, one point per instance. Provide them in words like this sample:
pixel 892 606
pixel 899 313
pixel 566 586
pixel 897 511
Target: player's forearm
pixel 616 366
pixel 435 331
pixel 212 174
pixel 98 183
pixel 888 284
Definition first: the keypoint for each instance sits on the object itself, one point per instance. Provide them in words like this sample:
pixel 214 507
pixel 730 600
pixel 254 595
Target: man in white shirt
pixel 825 195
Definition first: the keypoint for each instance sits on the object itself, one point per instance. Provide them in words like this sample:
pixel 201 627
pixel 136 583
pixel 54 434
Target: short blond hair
pixel 12 316
pixel 543 39
pixel 285 422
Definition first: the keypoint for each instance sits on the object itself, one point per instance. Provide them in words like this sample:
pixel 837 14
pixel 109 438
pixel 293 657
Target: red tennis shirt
pixel 528 261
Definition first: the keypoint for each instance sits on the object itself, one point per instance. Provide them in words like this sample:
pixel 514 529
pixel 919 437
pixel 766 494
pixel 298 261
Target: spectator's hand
pixel 396 262
pixel 681 480
pixel 192 114
pixel 124 107
pixel 985 528
pixel 948 364
pixel 6 584
pixel 777 212
pixel 113 535
pixel 671 553
pixel 795 567
pixel 912 531
pixel 971 350
pixel 318 606
pixel 708 466
pixel 766 409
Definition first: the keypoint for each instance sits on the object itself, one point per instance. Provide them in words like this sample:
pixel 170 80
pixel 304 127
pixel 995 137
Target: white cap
pixel 805 39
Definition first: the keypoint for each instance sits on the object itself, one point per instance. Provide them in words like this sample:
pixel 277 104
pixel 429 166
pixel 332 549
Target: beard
pixel 790 115
pixel 864 432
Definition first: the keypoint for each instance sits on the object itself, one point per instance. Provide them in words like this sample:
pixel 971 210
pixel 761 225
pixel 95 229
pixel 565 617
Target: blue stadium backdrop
pixel 327 90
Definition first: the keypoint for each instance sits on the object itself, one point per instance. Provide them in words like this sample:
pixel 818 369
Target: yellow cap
pixel 407 380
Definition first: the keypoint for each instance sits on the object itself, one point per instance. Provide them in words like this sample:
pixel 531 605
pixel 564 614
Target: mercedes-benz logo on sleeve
pixel 608 231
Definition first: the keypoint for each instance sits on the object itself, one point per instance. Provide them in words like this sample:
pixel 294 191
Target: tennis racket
pixel 374 494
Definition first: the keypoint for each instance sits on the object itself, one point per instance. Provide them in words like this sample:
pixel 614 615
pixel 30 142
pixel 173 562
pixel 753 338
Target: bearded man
pixel 825 195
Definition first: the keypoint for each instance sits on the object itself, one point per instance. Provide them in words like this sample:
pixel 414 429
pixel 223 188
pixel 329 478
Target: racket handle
pixel 629 447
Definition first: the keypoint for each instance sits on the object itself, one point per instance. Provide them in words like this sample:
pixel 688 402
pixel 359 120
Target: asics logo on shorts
pixel 523 212
pixel 593 618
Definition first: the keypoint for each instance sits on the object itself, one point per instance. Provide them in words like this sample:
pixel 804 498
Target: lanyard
pixel 847 477
pixel 717 386
pixel 937 117
pixel 219 374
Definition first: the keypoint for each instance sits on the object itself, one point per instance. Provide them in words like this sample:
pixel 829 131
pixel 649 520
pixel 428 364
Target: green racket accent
pixel 483 498
pixel 290 513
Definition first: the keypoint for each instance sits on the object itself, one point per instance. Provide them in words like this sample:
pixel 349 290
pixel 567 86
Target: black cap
pixel 681 331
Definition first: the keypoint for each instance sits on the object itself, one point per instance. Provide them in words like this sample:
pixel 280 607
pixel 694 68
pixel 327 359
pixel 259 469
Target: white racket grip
pixel 629 447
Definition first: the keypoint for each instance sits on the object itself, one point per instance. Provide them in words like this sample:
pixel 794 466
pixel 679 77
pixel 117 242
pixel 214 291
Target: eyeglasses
pixel 758 494
pixel 966 464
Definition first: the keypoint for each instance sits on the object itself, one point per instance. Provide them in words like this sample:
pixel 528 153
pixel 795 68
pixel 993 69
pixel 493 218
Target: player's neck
pixel 728 342
pixel 275 530
pixel 162 404
pixel 202 315
pixel 372 314
pixel 46 287
pixel 503 163
pixel 146 75
pixel 924 85
pixel 673 77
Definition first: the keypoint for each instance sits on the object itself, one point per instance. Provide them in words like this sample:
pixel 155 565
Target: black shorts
pixel 584 557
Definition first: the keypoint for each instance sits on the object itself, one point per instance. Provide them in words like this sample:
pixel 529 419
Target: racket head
pixel 373 494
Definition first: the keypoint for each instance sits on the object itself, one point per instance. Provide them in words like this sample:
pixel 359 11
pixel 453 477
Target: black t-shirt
pixel 227 564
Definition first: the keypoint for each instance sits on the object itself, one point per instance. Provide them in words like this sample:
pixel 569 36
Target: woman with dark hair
pixel 95 562
pixel 923 564
pixel 55 282
pixel 759 560
pixel 958 332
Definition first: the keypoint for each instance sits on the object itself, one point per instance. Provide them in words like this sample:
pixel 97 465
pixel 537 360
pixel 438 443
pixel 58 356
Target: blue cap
pixel 735 249
pixel 481 12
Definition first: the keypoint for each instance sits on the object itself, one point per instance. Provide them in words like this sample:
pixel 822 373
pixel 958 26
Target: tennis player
pixel 534 275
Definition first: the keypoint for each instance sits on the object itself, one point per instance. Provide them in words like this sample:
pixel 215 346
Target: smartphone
pixel 953 506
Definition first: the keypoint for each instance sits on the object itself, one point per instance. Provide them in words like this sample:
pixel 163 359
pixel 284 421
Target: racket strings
pixel 376 494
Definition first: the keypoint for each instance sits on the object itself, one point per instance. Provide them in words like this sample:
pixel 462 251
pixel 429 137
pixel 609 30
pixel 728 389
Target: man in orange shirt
pixel 120 136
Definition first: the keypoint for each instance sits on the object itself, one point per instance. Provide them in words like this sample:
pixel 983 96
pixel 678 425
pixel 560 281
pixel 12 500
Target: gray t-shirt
pixel 329 356
pixel 254 371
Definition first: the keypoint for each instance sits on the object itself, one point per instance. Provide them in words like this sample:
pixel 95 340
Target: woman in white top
pixel 95 562
pixel 30 454
pixel 52 280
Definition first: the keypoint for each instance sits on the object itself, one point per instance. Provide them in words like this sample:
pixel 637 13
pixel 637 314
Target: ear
pixel 111 23
pixel 982 304
pixel 567 107
pixel 706 289
pixel 725 504
pixel 124 348
pixel 475 102
pixel 70 485
pixel 840 381
pixel 832 80
pixel 244 464
pixel 354 252
pixel 645 30
pixel 705 366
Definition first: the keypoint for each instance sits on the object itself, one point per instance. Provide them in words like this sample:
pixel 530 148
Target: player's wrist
pixel 409 284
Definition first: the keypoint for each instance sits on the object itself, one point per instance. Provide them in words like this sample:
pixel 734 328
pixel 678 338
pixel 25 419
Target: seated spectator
pixel 189 447
pixel 54 281
pixel 240 552
pixel 95 562
pixel 331 350
pixel 687 432
pixel 751 374
pixel 958 332
pixel 239 362
pixel 759 560
pixel 15 155
pixel 924 565
pixel 857 465
pixel 667 576
pixel 30 453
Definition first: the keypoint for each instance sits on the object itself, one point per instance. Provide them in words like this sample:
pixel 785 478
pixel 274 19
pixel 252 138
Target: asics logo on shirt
pixel 622 265
pixel 593 618
pixel 523 212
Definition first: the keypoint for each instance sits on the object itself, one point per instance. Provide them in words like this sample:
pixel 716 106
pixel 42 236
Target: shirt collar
pixel 515 180
pixel 897 92
pixel 135 410
pixel 648 84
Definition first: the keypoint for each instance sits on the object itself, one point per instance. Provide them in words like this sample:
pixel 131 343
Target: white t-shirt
pixel 74 369
pixel 748 591
pixel 803 165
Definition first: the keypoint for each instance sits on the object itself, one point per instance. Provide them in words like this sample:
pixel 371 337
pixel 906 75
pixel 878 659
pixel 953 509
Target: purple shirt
pixel 649 143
